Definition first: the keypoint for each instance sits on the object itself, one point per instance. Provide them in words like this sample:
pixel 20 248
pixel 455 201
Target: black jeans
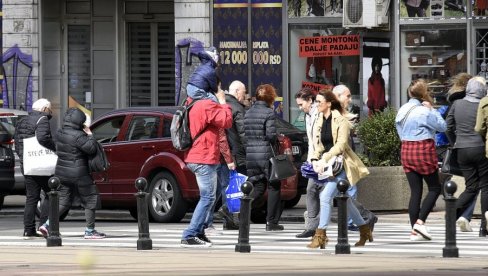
pixel 474 165
pixel 33 186
pixel 415 181
pixel 274 203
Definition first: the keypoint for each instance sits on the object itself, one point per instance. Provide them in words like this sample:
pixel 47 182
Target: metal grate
pixel 354 10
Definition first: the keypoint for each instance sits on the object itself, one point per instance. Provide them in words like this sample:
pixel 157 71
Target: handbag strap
pixel 406 116
pixel 272 150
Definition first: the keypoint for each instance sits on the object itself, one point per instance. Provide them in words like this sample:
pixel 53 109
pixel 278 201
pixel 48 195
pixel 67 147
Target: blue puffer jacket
pixel 205 77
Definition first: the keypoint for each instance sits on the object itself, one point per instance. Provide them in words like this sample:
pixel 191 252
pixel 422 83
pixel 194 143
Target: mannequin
pixel 483 73
pixel 376 88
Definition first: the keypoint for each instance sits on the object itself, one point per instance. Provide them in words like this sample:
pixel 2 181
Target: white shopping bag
pixel 38 160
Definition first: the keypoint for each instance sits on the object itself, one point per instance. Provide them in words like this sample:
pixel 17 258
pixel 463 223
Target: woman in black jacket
pixel 74 144
pixel 36 123
pixel 260 130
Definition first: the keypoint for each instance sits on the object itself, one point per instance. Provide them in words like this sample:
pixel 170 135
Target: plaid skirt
pixel 419 156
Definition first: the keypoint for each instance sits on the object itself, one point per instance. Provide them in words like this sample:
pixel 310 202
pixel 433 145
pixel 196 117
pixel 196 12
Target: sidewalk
pixel 110 261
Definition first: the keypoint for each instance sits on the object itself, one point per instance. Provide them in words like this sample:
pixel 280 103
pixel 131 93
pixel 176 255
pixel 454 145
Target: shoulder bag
pixel 38 160
pixel 281 167
pixel 450 164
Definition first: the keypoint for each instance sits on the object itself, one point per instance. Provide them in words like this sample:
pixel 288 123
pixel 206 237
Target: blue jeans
pixel 326 197
pixel 468 213
pixel 222 183
pixel 206 176
pixel 352 192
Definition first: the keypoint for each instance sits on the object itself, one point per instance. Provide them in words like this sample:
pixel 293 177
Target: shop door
pixel 151 64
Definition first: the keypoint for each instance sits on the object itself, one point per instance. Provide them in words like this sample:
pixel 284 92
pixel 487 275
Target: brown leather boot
pixel 365 234
pixel 319 239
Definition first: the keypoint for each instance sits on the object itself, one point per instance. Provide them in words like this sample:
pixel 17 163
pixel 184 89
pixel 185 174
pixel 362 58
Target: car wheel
pixel 166 204
pixel 293 202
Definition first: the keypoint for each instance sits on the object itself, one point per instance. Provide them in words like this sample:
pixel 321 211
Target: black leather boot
pixel 306 234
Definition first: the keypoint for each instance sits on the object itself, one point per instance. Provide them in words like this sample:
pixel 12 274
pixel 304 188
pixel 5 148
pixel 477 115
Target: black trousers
pixel 474 165
pixel 274 203
pixel 33 186
pixel 415 181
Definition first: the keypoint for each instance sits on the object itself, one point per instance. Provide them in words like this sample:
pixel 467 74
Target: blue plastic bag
pixel 233 192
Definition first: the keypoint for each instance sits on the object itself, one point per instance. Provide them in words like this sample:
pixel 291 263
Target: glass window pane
pixel 166 64
pixel 139 64
pixel 143 127
pixel 107 132
pixel 434 55
pixel 79 62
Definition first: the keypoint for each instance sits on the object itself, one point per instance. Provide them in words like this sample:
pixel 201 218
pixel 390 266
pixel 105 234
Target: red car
pixel 137 142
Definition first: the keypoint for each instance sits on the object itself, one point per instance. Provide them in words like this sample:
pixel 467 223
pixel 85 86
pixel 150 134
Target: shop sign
pixel 230 37
pixel 327 46
pixel 316 87
pixel 266 43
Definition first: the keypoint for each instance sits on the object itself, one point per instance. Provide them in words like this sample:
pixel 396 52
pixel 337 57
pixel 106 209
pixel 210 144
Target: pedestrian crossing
pixel 389 238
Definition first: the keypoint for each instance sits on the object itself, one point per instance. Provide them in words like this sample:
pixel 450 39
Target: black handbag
pixel 450 164
pixel 281 167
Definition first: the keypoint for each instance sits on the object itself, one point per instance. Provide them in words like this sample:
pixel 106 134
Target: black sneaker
pixel 274 227
pixel 31 235
pixel 230 226
pixel 204 238
pixel 194 242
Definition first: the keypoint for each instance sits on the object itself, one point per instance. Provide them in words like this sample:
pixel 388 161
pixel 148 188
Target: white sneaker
pixel 416 237
pixel 486 217
pixel 212 232
pixel 422 230
pixel 464 225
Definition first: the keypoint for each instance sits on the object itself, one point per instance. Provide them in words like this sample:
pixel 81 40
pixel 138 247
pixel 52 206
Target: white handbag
pixel 38 160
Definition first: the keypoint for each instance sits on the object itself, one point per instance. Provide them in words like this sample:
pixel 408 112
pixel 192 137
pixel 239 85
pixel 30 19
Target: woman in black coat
pixel 74 144
pixel 260 131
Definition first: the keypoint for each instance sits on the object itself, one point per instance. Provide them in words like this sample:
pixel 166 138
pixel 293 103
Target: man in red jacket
pixel 203 159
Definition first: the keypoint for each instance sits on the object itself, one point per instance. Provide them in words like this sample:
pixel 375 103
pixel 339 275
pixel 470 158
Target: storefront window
pixel 306 8
pixel 482 52
pixel 432 8
pixel 322 58
pixel 434 55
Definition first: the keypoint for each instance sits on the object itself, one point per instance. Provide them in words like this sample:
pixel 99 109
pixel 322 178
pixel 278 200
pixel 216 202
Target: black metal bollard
pixel 342 246
pixel 243 245
pixel 450 250
pixel 53 238
pixel 144 242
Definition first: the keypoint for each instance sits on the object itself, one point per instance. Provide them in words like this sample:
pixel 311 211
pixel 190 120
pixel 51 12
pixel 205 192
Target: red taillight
pixel 9 142
pixel 285 145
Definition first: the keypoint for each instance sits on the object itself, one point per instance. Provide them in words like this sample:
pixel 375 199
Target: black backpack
pixel 180 128
pixel 98 162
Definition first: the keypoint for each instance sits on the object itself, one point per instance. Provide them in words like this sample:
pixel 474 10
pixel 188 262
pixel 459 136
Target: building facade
pixel 106 54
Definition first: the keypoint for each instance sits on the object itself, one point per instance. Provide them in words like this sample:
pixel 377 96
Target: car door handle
pixel 147 147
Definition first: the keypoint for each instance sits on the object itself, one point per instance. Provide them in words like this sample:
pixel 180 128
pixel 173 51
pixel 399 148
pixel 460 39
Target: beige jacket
pixel 355 169
pixel 482 121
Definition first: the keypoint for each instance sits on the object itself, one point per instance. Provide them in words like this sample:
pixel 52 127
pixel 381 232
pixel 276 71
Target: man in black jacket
pixel 36 123
pixel 237 142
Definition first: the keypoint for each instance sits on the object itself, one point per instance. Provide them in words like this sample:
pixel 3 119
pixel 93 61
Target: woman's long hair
pixel 419 89
pixel 331 98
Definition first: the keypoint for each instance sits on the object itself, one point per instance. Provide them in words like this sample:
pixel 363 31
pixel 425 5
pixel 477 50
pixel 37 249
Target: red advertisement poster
pixel 327 46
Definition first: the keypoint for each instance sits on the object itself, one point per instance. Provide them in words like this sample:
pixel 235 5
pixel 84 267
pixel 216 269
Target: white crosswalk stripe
pixel 388 238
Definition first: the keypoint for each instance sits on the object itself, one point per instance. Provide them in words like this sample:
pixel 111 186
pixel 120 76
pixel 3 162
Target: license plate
pixel 295 150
